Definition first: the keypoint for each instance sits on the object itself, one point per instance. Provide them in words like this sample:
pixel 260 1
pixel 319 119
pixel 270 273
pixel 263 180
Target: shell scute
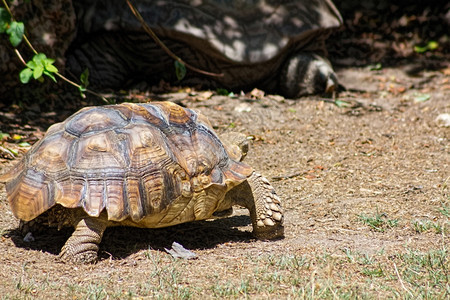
pixel 94 199
pixel 116 192
pixel 95 120
pixel 30 194
pixel 145 114
pixel 98 152
pixel 70 190
pixel 53 151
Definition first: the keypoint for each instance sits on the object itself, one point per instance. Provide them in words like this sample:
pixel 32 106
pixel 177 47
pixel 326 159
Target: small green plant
pixel 180 70
pixel 342 103
pixel 378 222
pixel 288 262
pixel 231 289
pixel 96 292
pixel 421 226
pixel 40 64
pixel 222 92
pixel 349 254
pixel 430 46
pixel 232 125
pixel 445 210
pixel 431 267
pixel 168 278
pixel 373 272
pixel 14 29
pixel 366 259
pixel 375 67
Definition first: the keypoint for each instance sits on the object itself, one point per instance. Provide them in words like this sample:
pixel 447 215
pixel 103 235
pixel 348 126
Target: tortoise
pixel 145 165
pixel 277 46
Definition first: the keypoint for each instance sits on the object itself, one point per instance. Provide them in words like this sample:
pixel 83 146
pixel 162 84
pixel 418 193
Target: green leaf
pixel 25 75
pixel 375 67
pixel 15 152
pixel 342 103
pixel 39 65
pixel 232 95
pixel 31 64
pixel 222 92
pixel 4 135
pixel 15 31
pixel 5 19
pixel 50 74
pixel 82 90
pixel 37 72
pixel 432 45
pixel 180 70
pixel 48 61
pixel 84 78
pixel 24 144
pixel 48 65
pixel 39 58
pixel 420 49
pixel 51 68
pixel 17 137
pixel 419 97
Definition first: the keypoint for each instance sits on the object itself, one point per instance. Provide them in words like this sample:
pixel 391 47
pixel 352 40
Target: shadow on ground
pixel 120 242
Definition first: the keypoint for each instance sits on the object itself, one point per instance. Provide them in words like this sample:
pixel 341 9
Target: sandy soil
pixel 381 153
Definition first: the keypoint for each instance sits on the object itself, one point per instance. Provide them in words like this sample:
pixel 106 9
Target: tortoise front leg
pixel 259 197
pixel 82 246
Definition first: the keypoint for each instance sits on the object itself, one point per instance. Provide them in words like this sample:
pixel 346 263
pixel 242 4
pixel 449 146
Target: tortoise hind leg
pixel 259 197
pixel 82 245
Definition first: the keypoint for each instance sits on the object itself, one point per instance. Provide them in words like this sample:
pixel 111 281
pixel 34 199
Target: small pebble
pixel 443 120
pixel 28 238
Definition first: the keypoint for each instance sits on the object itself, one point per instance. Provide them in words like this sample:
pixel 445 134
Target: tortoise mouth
pixel 223 213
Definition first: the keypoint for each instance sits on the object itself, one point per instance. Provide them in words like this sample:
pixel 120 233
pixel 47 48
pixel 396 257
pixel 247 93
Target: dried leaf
pixel 443 120
pixel 257 94
pixel 205 95
pixel 178 251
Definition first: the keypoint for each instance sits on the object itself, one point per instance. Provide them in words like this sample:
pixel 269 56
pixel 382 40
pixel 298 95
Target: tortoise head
pixel 237 144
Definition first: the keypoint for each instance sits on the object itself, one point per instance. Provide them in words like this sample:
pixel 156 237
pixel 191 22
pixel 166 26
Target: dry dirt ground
pixel 364 186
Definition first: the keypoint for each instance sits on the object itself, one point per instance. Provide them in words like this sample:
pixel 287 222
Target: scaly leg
pixel 82 246
pixel 259 197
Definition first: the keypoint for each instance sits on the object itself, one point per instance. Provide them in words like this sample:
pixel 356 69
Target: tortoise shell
pixel 154 165
pixel 245 32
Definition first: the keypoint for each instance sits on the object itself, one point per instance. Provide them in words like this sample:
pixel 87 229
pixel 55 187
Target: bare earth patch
pixel 364 186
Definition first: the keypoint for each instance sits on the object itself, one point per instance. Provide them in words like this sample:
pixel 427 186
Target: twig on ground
pixel 401 281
